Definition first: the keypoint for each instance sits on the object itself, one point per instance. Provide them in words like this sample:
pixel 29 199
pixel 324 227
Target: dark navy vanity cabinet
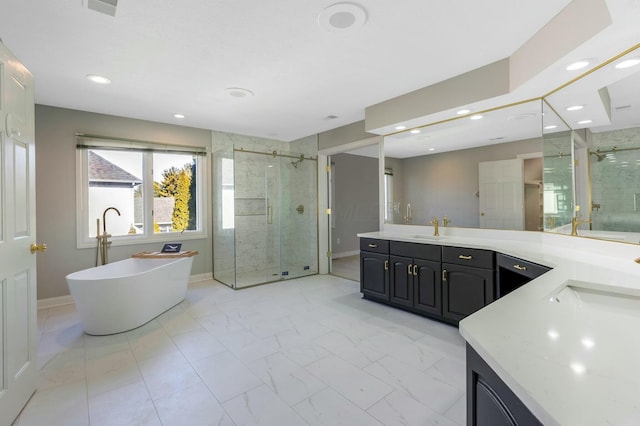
pixel 442 282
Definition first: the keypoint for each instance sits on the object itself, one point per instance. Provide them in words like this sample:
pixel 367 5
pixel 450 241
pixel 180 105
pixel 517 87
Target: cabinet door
pixel 401 280
pixel 374 275
pixel 465 290
pixel 427 287
pixel 490 402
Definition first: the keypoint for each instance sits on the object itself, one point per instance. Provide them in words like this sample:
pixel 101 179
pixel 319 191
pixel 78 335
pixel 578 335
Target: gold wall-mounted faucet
pixel 574 225
pixel 445 221
pixel 434 223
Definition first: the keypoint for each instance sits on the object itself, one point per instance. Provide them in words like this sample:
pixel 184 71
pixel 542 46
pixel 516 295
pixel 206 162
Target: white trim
pixel 201 277
pixel 55 301
pixel 529 155
pixel 345 254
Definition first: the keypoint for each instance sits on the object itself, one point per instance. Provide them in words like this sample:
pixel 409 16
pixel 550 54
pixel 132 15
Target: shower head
pixel 599 156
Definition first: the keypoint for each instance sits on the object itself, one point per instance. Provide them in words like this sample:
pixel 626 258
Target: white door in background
pixel 501 186
pixel 18 331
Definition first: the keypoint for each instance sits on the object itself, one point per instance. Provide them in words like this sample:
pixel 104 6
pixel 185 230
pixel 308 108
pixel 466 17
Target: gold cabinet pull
pixel 37 247
pixel 409 269
pixel 465 257
pixel 373 245
pixel 520 267
pixel 444 275
pixel 415 270
pixel 386 265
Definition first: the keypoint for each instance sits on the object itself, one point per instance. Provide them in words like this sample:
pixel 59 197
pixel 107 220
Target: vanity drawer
pixel 416 250
pixel 469 257
pixel 374 245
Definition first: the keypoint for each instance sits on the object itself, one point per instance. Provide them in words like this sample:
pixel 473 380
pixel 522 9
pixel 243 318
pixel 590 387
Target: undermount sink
pixel 581 295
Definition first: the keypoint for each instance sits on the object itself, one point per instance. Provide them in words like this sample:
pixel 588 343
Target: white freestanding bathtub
pixel 123 295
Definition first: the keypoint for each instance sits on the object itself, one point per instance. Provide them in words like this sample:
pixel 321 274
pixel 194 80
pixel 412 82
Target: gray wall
pixel 446 184
pixel 56 190
pixel 343 135
pixel 356 206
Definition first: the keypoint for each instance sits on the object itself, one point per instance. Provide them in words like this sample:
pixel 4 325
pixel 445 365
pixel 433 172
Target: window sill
pixel 118 241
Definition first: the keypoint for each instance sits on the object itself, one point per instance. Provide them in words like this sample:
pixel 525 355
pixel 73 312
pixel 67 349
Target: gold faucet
pixel 574 225
pixel 103 239
pixel 434 223
pixel 445 221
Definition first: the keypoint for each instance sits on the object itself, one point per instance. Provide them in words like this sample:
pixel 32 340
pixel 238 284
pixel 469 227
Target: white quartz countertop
pixel 568 342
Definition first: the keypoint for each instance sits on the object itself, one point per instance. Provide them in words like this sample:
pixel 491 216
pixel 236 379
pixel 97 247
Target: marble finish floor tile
pixel 306 351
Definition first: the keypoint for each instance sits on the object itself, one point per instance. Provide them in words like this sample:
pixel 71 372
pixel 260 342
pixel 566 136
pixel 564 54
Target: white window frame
pixel 148 236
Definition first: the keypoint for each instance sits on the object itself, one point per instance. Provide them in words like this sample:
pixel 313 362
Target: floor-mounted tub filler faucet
pixel 103 239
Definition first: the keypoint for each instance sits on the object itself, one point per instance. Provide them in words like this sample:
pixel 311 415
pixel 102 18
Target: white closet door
pixel 18 330
pixel 501 185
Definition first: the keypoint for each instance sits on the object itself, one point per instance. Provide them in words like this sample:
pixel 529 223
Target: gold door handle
pixel 409 269
pixel 444 275
pixel 38 247
pixel 520 267
pixel 415 270
pixel 386 265
pixel 464 257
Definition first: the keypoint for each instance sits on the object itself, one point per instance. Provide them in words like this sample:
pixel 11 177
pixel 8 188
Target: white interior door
pixel 501 185
pixel 18 332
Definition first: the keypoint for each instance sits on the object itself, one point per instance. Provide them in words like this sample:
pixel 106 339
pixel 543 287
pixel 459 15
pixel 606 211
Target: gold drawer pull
pixel 520 268
pixel 415 270
pixel 444 275
pixel 409 269
pixel 386 265
pixel 463 257
pixel 373 245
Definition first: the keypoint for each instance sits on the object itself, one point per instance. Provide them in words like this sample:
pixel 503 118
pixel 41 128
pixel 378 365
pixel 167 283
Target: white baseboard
pixel 345 254
pixel 201 277
pixel 55 301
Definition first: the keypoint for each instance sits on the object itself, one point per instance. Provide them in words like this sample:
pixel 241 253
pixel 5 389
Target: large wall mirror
pixel 532 165
pixel 602 108
pixel 477 170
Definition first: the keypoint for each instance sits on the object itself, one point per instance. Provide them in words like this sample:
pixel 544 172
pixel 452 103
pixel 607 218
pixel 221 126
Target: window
pixel 154 193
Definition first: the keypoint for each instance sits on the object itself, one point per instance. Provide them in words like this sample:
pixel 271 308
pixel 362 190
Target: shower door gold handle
pixel 37 247
pixel 269 213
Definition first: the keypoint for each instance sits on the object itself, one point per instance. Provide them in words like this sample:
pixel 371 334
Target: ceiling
pixel 166 57
pixel 304 76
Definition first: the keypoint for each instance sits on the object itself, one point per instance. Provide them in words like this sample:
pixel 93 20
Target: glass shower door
pixel 273 220
pixel 299 207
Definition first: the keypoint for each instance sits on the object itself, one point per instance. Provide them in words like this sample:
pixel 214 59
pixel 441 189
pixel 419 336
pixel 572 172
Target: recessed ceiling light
pixel 549 127
pixel 475 117
pixel 400 127
pixel 239 92
pixel 575 107
pixel 432 149
pixel 627 63
pixel 463 111
pixel 585 121
pixel 578 65
pixel 342 17
pixel 98 79
pixel 415 131
pixel 178 115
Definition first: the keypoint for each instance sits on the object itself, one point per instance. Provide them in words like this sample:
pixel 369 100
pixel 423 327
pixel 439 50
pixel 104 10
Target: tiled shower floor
pixel 297 352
